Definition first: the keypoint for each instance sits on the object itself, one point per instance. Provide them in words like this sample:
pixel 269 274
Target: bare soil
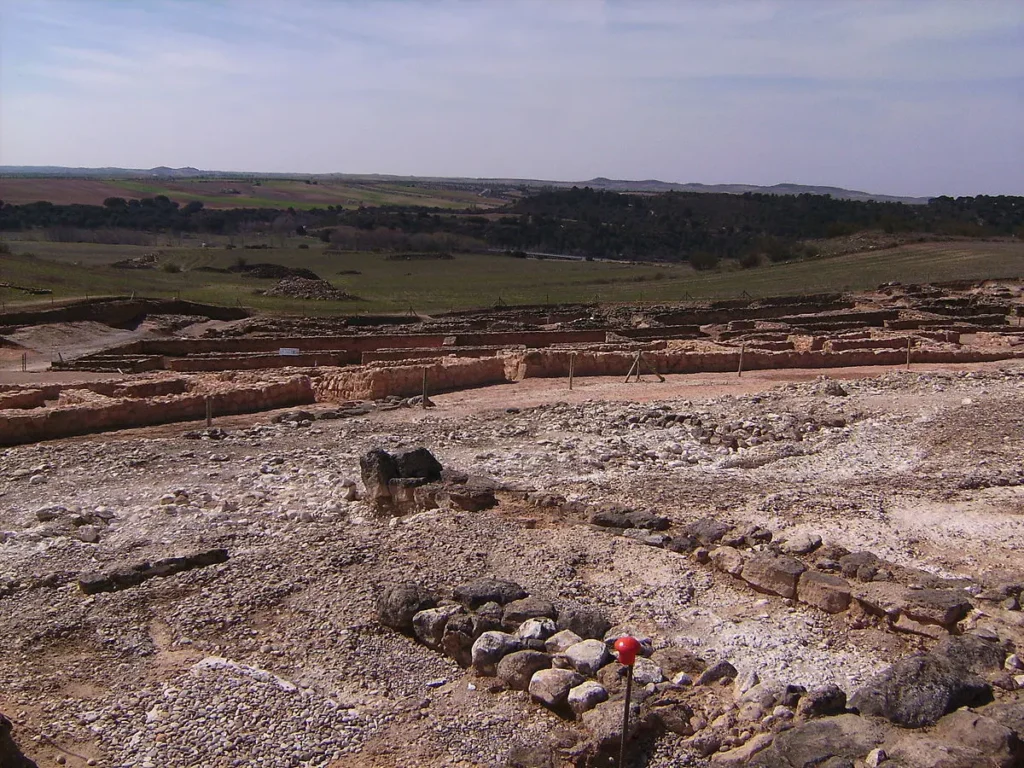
pixel 926 473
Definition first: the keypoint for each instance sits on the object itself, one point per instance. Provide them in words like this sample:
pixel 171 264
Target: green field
pixel 74 270
pixel 244 193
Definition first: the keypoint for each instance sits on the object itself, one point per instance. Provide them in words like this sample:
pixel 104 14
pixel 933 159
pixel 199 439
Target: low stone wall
pixel 841 345
pixel 25 398
pixel 403 380
pixel 381 355
pixel 553 363
pixel 20 427
pixel 248 362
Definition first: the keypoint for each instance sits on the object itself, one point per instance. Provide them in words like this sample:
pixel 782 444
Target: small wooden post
pixel 743 348
pixel 209 411
pixel 423 401
pixel 634 368
pixel 24 361
pixel 572 366
pixel 909 341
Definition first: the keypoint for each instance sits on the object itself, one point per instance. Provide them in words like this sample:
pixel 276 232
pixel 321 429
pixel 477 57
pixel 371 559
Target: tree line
pixel 675 226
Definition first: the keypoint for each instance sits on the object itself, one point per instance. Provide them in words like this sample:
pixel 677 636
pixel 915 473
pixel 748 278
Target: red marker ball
pixel 627 648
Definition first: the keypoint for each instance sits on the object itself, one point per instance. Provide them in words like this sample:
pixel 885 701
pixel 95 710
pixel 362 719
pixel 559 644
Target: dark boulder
pixel 821 702
pixel 831 741
pixel 378 469
pixel 10 755
pixel 588 623
pixel 647 520
pixel 518 611
pixel 418 462
pixel 972 653
pixel 397 605
pixel 918 690
pixel 707 530
pixel 501 591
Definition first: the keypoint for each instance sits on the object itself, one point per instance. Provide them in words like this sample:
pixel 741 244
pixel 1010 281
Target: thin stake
pixel 209 411
pixel 424 399
pixel 572 366
pixel 625 716
pixel 908 353
pixel 630 374
pixel 743 348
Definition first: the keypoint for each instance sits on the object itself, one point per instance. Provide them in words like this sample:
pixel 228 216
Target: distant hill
pixel 470 184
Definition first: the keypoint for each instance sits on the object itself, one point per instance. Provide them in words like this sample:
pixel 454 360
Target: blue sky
pixel 899 97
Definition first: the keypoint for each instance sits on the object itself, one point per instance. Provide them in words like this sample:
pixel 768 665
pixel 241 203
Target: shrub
pixel 171 267
pixel 704 260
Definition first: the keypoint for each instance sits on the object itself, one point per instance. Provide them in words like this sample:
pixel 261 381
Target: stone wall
pixel 25 398
pixel 553 363
pixel 248 362
pixel 48 424
pixel 403 380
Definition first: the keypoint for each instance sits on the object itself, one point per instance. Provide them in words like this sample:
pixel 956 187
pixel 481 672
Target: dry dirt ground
pixel 927 472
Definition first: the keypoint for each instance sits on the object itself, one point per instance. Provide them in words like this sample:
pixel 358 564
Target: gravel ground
pixel 275 658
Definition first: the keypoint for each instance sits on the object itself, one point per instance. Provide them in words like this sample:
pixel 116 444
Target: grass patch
pixel 475 280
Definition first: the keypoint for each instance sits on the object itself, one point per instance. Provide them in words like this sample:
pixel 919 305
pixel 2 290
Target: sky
pixel 897 97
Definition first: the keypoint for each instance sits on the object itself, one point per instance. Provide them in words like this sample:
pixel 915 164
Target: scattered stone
pixel 551 687
pixel 536 629
pixel 585 696
pixel 429 625
pixel 773 575
pixel 558 642
pixel 742 755
pixel 945 607
pixel 875 758
pixel 646 672
pixel 801 543
pixel 674 660
pixel 860 565
pixel 89 534
pixel 706 530
pixel 51 512
pixel 824 591
pixel 517 668
pixel 822 702
pixel 721 670
pixel 587 656
pixel 490 648
pixel 744 682
pixel 727 560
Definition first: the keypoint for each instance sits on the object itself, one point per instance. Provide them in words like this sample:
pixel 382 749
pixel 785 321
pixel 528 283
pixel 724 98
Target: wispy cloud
pixel 907 97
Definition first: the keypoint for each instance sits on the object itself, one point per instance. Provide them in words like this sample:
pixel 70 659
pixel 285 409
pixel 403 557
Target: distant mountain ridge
pixel 600 182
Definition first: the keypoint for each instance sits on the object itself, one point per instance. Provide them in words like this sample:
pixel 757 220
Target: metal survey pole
pixel 743 348
pixel 627 648
pixel 572 367
pixel 423 402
